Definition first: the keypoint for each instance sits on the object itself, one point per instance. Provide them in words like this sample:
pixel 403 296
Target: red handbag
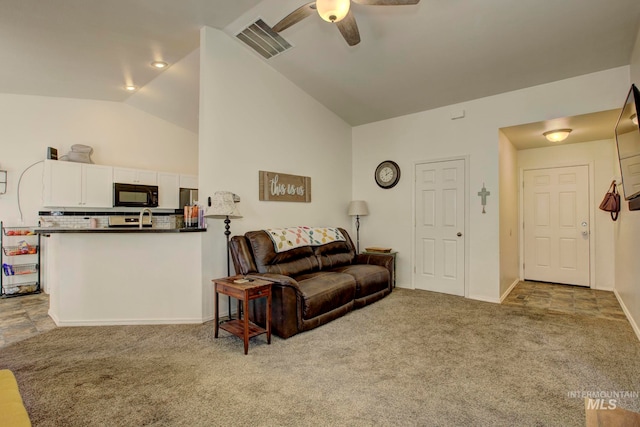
pixel 611 201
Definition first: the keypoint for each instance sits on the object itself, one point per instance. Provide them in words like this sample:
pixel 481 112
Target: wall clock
pixel 387 174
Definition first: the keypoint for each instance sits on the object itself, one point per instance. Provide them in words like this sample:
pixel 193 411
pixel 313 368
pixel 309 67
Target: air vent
pixel 261 38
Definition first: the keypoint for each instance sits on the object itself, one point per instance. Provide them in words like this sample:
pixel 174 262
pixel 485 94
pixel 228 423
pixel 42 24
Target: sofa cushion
pixel 325 291
pixel 369 278
pixel 290 263
pixel 334 254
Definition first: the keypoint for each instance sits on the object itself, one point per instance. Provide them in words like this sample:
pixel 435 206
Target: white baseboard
pixel 54 318
pixel 123 322
pixel 485 299
pixel 508 291
pixel 627 313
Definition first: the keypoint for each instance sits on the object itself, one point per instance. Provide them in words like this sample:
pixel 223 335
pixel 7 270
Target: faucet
pixel 142 215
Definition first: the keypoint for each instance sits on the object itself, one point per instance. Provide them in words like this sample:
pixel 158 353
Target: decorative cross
pixel 483 194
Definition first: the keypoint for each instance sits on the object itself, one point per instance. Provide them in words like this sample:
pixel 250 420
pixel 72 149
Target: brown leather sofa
pixel 313 285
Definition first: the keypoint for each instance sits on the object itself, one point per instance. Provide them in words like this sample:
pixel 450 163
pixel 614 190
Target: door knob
pixel 459 234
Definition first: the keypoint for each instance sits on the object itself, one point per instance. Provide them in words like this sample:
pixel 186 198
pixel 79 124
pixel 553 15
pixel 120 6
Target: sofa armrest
pixel 383 260
pixel 286 307
pixel 278 279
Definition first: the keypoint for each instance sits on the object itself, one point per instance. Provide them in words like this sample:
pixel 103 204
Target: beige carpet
pixel 415 358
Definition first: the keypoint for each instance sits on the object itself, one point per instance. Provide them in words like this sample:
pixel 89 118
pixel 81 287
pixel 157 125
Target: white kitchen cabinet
pixel 69 184
pixel 188 181
pixel 62 183
pixel 97 186
pixel 135 176
pixel 168 190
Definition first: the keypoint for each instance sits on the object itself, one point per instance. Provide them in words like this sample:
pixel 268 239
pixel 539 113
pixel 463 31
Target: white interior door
pixel 556 225
pixel 439 233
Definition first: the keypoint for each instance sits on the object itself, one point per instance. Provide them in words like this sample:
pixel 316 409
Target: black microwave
pixel 135 196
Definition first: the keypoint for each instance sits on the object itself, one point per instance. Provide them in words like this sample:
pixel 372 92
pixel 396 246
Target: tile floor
pixel 566 299
pixel 23 317
pixel 26 316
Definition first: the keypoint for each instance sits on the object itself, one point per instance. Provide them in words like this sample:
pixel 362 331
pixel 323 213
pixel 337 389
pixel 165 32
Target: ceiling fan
pixel 338 12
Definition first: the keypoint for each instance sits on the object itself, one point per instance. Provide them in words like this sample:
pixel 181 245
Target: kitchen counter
pixel 116 230
pixel 123 276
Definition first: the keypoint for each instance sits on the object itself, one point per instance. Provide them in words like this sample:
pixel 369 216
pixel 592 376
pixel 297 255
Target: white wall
pixel 173 94
pixel 626 262
pixel 509 208
pixel 635 61
pixel 252 119
pixel 433 135
pixel 120 135
pixel 627 231
pixel 600 156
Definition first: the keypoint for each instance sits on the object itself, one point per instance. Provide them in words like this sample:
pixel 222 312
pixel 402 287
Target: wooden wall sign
pixel 281 187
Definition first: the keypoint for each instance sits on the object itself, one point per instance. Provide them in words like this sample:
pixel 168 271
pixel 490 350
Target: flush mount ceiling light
pixel 130 88
pixel 159 64
pixel 634 119
pixel 557 135
pixel 333 10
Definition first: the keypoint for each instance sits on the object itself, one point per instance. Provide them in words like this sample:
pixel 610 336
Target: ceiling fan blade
pixel 349 29
pixel 387 2
pixel 296 16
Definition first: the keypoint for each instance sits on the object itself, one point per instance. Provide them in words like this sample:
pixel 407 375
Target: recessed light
pixel 159 64
pixel 131 88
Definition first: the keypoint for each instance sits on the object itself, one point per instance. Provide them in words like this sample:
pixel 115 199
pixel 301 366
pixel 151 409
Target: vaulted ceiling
pixel 410 59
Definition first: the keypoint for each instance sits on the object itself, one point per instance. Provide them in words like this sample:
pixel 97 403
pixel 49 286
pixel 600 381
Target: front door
pixel 439 233
pixel 556 225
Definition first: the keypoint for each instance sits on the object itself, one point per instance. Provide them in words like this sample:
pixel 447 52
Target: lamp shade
pixel 358 207
pixel 333 10
pixel 557 135
pixel 222 206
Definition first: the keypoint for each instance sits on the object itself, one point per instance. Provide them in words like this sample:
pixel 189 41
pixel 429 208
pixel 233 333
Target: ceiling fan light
pixel 333 10
pixel 557 135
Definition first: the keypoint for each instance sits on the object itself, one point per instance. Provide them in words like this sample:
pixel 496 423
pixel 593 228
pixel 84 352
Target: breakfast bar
pixel 123 276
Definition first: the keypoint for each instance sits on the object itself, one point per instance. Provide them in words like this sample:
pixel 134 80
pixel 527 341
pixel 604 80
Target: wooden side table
pixel 243 292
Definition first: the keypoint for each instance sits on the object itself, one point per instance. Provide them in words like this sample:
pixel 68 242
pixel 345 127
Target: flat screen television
pixel 627 133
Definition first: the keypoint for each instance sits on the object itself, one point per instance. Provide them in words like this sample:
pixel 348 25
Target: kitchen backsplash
pixel 59 219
